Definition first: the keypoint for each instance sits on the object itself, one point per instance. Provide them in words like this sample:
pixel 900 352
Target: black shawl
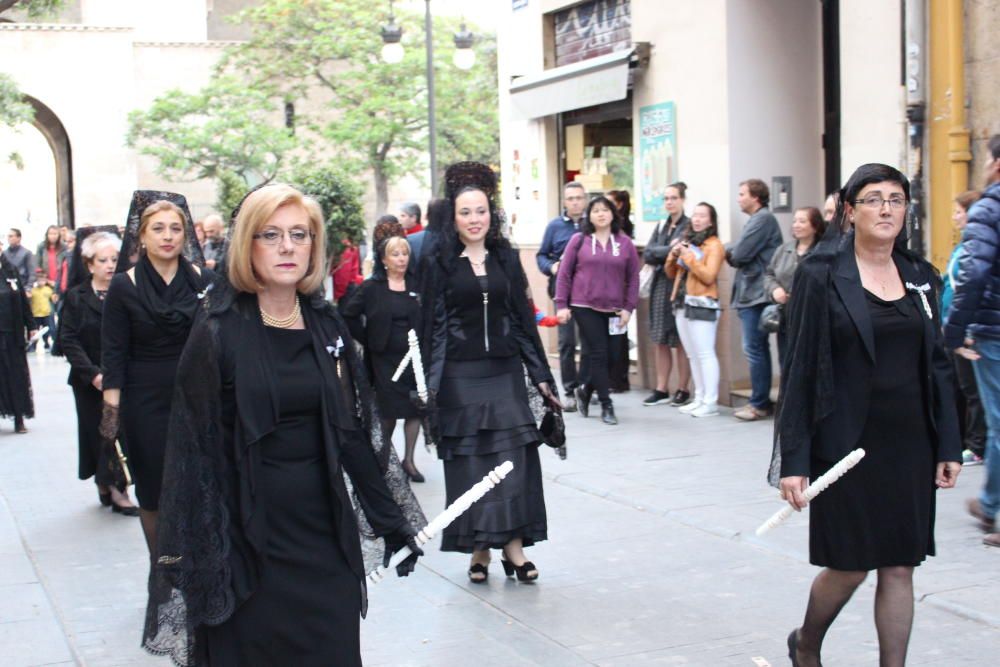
pixel 208 517
pixel 809 393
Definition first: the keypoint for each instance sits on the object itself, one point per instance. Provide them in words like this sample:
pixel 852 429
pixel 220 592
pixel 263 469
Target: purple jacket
pixel 604 279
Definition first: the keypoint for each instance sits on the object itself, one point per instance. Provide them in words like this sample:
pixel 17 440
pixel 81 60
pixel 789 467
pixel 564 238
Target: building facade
pixel 797 93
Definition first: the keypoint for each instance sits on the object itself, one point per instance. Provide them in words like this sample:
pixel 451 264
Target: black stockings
pixel 411 429
pixel 893 612
pixel 148 521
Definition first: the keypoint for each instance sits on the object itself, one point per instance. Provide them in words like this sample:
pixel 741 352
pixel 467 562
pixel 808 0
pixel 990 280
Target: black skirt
pixel 306 608
pixel 486 420
pixel 145 414
pixel 15 379
pixel 881 512
pixel 89 403
pixel 394 397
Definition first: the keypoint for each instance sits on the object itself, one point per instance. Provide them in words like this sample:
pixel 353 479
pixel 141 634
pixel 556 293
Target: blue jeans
pixel 757 349
pixel 988 377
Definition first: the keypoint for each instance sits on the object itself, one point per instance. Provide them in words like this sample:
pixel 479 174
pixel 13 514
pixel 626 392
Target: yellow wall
pixel 948 139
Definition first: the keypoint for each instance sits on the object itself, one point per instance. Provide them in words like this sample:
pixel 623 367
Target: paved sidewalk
pixel 651 560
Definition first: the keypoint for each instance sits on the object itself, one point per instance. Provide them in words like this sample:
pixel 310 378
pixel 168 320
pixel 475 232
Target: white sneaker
pixel 690 407
pixel 706 410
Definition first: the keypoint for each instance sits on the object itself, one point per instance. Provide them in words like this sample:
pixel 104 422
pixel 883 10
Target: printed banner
pixel 657 156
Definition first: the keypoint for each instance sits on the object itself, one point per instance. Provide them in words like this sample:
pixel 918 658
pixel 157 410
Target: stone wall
pixel 982 79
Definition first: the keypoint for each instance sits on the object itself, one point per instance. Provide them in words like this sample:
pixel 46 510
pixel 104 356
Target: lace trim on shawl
pixel 190 582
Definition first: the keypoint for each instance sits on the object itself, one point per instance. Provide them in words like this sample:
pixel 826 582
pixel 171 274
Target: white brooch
pixel 922 291
pixel 12 282
pixel 335 349
pixel 202 294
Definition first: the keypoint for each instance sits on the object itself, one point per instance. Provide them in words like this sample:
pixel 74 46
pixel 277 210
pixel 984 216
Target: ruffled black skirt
pixel 486 420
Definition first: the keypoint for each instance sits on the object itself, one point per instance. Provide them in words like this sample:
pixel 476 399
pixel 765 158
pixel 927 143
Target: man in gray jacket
pixel 20 258
pixel 750 255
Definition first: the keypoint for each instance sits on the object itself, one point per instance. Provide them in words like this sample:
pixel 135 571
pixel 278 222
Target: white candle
pixel 814 489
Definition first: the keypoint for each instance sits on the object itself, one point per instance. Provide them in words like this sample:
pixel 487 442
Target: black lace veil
pixel 131 246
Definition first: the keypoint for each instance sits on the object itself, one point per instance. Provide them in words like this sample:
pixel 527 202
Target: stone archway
pixel 55 134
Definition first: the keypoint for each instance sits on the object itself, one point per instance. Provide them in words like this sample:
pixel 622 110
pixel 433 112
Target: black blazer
pixel 826 381
pixel 369 316
pixel 80 334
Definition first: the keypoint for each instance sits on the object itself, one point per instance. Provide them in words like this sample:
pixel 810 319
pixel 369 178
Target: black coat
pixel 467 327
pixel 368 314
pixel 18 304
pixel 80 334
pixel 826 379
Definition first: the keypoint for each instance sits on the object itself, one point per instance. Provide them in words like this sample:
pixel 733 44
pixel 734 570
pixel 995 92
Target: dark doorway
pixel 831 94
pixel 55 134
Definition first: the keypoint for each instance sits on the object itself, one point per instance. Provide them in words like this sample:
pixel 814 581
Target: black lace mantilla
pixel 190 584
pixel 131 245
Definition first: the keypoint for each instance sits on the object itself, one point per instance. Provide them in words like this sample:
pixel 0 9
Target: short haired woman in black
pixel 480 335
pixel 259 555
pixel 16 326
pixel 80 339
pixel 148 313
pixel 808 228
pixel 865 367
pixel 380 313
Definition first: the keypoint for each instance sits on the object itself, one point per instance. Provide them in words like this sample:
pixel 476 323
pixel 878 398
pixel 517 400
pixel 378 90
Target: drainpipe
pixel 915 45
pixel 959 155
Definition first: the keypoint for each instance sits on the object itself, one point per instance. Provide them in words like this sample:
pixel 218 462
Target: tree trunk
pixel 381 188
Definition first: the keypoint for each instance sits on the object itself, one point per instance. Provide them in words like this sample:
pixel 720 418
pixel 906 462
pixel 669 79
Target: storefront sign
pixel 519 4
pixel 657 156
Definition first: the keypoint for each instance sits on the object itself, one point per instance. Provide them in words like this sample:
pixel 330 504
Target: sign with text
pixel 657 156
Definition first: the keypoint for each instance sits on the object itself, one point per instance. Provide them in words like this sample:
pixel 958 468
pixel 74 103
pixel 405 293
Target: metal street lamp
pixel 464 59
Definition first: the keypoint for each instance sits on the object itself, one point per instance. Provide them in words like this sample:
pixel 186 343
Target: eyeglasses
pixel 274 236
pixel 875 201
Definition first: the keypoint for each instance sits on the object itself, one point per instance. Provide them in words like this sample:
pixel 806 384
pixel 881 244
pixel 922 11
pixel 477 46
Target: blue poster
pixel 657 156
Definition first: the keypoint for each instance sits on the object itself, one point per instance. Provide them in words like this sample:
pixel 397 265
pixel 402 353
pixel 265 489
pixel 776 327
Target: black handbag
pixel 770 318
pixel 553 430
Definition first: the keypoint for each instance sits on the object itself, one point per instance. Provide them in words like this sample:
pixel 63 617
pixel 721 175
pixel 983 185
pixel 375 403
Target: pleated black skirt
pixel 486 420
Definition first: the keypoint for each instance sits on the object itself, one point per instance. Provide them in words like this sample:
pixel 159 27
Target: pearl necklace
pixel 284 323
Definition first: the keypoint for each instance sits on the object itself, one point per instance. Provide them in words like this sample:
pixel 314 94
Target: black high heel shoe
pixel 412 472
pixel 19 426
pixel 124 510
pixel 477 569
pixel 522 571
pixel 793 648
pixel 105 498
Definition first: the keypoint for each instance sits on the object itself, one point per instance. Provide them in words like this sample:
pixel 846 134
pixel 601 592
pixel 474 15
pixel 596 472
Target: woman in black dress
pixel 80 340
pixel 16 326
pixel 479 329
pixel 148 313
pixel 380 314
pixel 259 556
pixel 865 367
pixel 669 352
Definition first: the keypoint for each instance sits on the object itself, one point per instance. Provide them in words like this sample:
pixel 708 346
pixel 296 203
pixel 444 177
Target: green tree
pixel 340 198
pixel 13 111
pixel 32 9
pixel 372 113
pixel 228 128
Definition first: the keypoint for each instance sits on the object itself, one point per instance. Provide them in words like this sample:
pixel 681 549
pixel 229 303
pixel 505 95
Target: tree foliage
pixel 33 9
pixel 14 110
pixel 227 127
pixel 374 113
pixel 339 196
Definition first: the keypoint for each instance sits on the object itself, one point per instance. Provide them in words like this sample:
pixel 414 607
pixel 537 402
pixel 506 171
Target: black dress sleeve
pixel 949 443
pixel 353 311
pixel 83 366
pixel 523 328
pixel 376 500
pixel 116 332
pixel 438 347
pixel 807 374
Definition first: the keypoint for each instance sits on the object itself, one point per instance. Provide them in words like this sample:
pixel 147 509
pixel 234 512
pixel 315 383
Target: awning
pixel 583 84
